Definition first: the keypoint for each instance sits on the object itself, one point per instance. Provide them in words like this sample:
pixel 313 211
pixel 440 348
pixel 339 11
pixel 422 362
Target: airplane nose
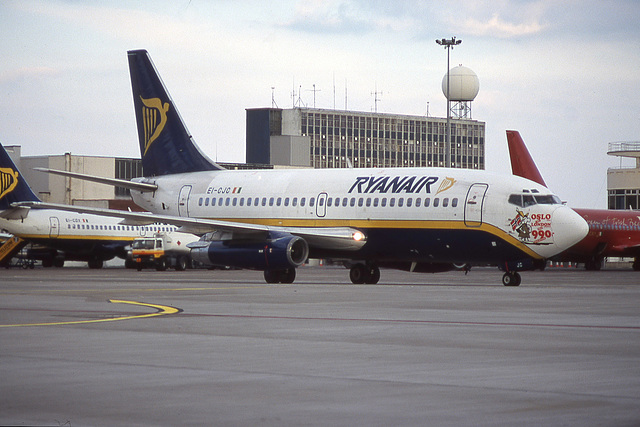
pixel 569 228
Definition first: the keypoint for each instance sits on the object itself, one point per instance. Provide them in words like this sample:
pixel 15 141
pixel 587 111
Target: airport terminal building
pixel 320 138
pixel 623 183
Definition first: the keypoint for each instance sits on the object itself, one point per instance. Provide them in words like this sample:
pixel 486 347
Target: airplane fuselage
pixel 612 233
pixel 407 214
pixel 80 237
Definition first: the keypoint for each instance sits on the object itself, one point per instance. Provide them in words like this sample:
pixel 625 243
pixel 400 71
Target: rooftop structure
pixel 623 183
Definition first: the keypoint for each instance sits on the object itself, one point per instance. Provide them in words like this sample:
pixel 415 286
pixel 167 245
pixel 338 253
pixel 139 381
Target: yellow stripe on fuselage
pixel 387 224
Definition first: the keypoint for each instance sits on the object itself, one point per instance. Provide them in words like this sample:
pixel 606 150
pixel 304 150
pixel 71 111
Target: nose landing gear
pixel 511 278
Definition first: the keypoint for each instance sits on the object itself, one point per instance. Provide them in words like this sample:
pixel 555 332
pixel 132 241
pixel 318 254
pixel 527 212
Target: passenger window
pixel 329 202
pixel 400 202
pixel 409 202
pixel 360 202
pixel 345 201
pixel 271 201
pixel 302 201
pixel 256 201
pixel 286 201
pixel 375 202
pixel 213 201
pixel 200 202
pixel 312 201
pixel 383 202
pixel 295 201
pixel 436 202
pixel 427 201
pixel 234 201
pixel 227 201
pixel 418 200
pixel 392 202
pixel 445 202
pixel 321 201
pixel 248 201
pixel 242 201
pixel 279 201
pixel 454 202
pixel 353 202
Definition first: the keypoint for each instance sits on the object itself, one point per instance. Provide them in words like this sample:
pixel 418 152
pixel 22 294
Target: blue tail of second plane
pixel 13 187
pixel 166 146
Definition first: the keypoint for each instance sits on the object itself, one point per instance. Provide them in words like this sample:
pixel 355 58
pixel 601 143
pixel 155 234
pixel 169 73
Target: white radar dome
pixel 464 84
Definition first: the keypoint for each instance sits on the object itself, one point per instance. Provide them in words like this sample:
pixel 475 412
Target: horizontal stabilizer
pixel 132 185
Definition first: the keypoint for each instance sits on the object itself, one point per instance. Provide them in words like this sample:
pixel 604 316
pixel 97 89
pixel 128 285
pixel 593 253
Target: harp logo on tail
pixel 8 181
pixel 154 118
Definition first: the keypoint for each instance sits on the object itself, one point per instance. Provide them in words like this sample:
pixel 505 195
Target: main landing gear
pixel 280 276
pixel 511 278
pixel 362 273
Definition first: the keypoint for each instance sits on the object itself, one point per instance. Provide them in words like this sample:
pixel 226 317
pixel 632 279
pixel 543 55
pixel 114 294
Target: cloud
pixel 347 17
pixel 497 27
pixel 12 75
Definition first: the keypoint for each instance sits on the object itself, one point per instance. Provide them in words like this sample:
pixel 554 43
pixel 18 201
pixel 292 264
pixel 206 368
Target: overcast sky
pixel 566 74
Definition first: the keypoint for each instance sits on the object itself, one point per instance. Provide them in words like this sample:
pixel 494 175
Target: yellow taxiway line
pixel 162 311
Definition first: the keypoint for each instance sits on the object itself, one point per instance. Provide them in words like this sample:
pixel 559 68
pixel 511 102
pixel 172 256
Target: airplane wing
pixel 337 238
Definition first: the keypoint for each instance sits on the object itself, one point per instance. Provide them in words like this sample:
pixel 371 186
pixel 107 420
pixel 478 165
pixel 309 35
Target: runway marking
pixel 163 310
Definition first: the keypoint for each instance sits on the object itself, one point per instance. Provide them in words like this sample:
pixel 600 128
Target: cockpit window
pixel 526 200
pixel 547 199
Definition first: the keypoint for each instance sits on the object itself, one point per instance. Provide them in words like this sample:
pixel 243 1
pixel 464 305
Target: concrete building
pixel 59 189
pixel 623 184
pixel 322 138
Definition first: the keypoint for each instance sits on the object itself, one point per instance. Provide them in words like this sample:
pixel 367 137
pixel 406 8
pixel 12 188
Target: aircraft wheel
pixel 58 262
pixel 511 279
pixel 636 264
pixel 271 276
pixel 288 275
pixel 373 276
pixel 358 274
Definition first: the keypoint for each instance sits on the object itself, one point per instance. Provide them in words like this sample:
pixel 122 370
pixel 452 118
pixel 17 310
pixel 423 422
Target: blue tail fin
pixel 13 187
pixel 166 145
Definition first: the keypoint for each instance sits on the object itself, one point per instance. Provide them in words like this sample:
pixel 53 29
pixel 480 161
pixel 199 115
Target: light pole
pixel 448 44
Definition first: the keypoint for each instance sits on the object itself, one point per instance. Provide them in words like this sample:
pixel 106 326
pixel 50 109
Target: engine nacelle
pixel 279 252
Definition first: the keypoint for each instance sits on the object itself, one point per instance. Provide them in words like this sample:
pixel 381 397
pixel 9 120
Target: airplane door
pixel 474 204
pixel 321 205
pixel 183 200
pixel 54 227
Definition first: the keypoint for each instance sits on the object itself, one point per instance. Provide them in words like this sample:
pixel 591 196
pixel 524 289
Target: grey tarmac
pixel 117 347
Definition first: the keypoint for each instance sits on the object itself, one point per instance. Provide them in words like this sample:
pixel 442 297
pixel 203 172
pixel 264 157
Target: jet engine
pixel 280 251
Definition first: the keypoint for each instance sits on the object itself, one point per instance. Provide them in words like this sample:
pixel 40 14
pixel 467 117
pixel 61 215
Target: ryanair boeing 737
pixel 415 219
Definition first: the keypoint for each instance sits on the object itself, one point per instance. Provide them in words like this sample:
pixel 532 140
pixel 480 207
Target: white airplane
pixel 66 235
pixel 416 219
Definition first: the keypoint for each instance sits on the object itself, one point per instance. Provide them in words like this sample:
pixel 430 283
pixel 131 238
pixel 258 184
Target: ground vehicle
pixel 160 251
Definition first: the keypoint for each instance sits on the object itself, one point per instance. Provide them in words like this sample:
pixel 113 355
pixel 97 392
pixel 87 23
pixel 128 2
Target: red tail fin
pixel 522 163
